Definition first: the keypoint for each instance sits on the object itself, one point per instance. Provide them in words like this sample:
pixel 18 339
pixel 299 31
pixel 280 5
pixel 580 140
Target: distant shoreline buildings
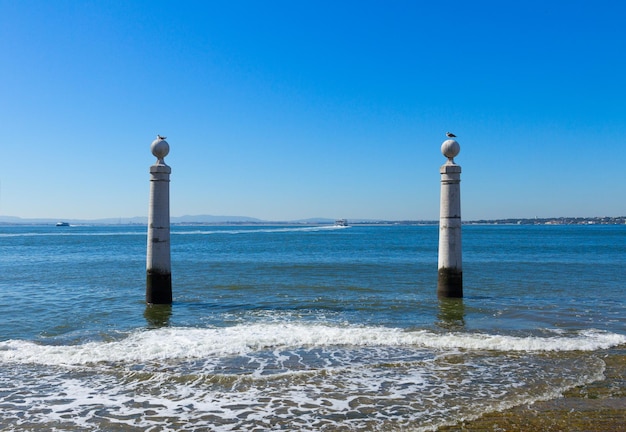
pixel 606 220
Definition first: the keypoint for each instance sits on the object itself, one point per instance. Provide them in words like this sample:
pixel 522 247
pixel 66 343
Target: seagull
pixel 450 135
pixel 161 137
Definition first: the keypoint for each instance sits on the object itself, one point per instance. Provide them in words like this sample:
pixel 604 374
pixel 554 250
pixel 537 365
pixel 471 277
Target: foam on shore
pixel 190 343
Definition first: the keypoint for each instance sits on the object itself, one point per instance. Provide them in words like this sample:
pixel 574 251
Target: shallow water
pixel 306 328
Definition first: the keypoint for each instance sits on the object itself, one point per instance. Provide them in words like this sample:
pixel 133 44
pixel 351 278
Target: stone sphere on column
pixel 450 148
pixel 160 148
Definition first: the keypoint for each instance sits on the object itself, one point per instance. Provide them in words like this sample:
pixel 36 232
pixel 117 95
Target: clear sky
pixel 284 110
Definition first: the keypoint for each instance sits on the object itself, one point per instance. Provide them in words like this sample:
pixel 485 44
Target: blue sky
pixel 284 110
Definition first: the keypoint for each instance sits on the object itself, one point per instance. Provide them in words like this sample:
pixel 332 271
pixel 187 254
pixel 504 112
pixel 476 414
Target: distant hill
pixel 138 220
pixel 212 219
pixel 317 220
pixel 186 219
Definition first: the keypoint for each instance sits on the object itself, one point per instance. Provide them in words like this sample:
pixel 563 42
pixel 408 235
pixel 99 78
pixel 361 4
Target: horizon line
pixel 249 219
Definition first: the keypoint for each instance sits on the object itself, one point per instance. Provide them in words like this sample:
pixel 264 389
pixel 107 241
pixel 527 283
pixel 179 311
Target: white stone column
pixel 158 261
pixel 450 281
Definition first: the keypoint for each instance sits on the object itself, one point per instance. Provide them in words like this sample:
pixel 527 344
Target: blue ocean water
pixel 300 327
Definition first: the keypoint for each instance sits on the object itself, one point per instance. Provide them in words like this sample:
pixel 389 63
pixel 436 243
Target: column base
pixel 450 283
pixel 158 287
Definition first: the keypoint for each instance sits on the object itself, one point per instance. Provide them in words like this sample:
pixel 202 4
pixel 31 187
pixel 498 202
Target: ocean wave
pixel 309 377
pixel 244 339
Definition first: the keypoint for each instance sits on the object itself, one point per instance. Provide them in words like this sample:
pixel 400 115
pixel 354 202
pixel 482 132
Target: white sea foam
pixel 309 377
pixel 200 343
pixel 288 375
pixel 385 390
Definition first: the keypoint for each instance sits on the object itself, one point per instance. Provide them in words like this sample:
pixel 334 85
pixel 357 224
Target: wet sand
pixel 595 407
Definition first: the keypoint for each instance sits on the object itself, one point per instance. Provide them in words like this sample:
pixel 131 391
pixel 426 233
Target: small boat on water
pixel 62 224
pixel 341 223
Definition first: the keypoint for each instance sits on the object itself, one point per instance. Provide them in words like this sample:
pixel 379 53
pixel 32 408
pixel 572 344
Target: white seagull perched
pixel 161 137
pixel 450 135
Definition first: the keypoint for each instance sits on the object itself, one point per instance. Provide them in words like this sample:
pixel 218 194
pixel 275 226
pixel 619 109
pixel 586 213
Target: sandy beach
pixel 596 407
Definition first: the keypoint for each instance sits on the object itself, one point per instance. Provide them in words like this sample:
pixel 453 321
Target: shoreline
pixel 596 407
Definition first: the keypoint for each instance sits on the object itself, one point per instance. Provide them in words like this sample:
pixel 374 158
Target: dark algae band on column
pixel 158 287
pixel 450 283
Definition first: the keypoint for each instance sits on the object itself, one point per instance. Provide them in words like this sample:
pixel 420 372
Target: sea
pixel 300 327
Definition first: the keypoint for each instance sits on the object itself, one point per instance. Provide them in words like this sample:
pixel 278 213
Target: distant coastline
pixel 606 220
pixel 243 220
